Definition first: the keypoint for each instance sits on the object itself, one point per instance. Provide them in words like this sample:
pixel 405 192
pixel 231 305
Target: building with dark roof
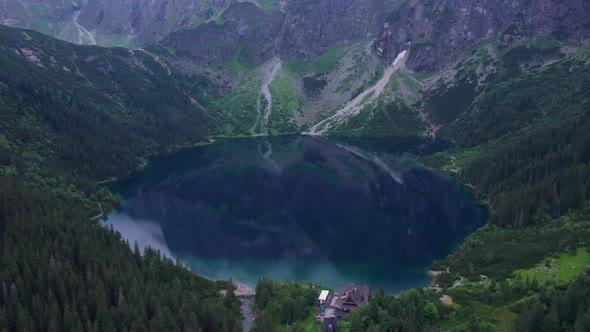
pixel 352 296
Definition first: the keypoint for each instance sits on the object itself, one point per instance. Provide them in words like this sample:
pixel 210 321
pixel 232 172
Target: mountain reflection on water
pixel 299 208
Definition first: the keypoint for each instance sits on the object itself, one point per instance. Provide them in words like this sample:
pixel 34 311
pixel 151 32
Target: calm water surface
pixel 299 208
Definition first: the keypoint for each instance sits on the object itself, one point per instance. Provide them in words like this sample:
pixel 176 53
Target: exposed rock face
pixel 303 30
pixel 141 20
pixel 561 20
pixel 438 32
pixel 245 29
pixel 441 31
pixel 311 27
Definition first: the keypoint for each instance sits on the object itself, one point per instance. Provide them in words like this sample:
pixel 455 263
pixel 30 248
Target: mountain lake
pixel 329 211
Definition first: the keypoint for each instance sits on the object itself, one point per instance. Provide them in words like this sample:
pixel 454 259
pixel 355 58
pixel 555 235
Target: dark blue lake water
pixel 300 208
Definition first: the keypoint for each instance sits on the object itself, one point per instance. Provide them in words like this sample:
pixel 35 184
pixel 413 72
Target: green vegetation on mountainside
pixel 246 104
pixel 520 126
pixel 69 117
pixel 325 63
pixel 59 272
pixel 382 119
pixel 498 252
pixel 269 5
pixel 286 105
pixel 558 309
pixel 72 115
pixel 528 138
pixel 411 311
pixel 285 304
pixel 242 105
pixel 562 269
pixel 523 142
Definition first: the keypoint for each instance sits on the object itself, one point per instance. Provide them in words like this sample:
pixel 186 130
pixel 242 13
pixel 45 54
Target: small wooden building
pixel 323 298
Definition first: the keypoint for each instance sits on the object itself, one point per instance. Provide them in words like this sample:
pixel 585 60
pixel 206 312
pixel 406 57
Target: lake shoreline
pixel 249 292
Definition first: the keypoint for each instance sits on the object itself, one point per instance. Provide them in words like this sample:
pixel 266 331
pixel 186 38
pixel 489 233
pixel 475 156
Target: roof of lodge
pixel 353 294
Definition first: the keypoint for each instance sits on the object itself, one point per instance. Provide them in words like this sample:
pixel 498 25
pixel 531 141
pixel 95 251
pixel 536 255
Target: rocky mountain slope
pixel 302 30
pixel 327 63
pixel 296 66
pixel 325 67
pixel 109 23
pixel 440 32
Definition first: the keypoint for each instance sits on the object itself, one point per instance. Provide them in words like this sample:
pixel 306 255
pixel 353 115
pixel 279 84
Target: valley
pixel 495 95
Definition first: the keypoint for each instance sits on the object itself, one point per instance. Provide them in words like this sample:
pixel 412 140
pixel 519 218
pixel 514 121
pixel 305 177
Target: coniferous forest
pixel 74 116
pixel 62 131
pixel 61 273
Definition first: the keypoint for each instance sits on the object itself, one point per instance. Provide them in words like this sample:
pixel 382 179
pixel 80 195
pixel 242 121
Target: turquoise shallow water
pixel 299 208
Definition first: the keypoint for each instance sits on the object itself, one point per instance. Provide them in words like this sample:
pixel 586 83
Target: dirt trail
pixel 247 309
pixel 357 104
pixel 270 73
pixel 246 295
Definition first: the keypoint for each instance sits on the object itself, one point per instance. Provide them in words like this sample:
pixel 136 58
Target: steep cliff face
pixel 311 27
pixel 103 22
pixel 243 30
pixel 301 30
pixel 560 20
pixel 440 32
